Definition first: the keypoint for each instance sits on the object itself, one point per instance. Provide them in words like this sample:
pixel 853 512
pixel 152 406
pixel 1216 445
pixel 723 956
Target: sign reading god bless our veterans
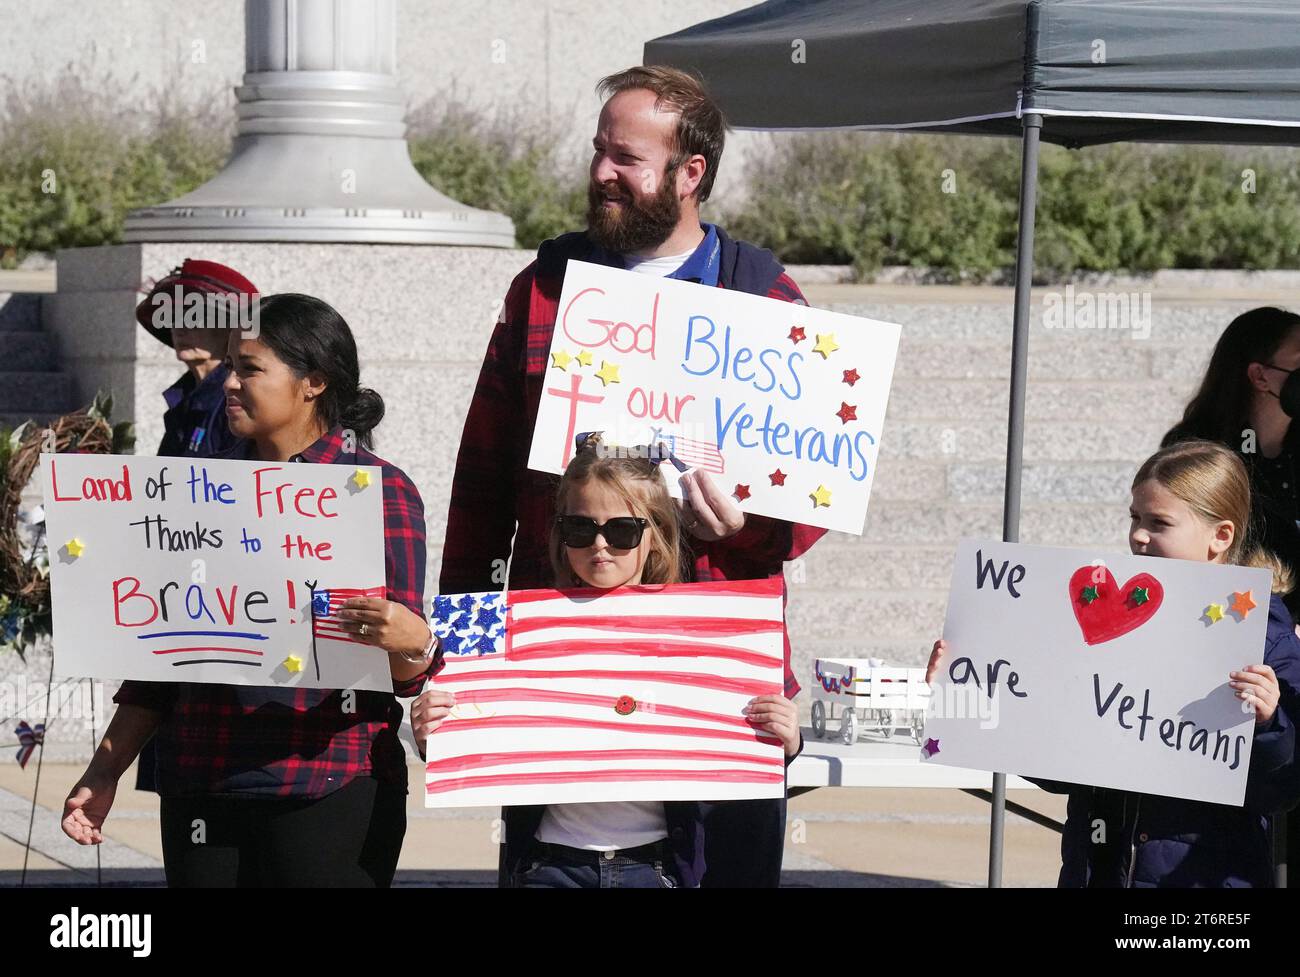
pixel 201 570
pixel 630 694
pixel 781 404
pixel 1107 671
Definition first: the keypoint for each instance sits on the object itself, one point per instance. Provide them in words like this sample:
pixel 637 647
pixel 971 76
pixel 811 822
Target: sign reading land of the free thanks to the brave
pixel 780 403
pixel 203 570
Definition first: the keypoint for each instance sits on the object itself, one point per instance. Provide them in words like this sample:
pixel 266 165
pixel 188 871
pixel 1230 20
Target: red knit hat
pixel 192 276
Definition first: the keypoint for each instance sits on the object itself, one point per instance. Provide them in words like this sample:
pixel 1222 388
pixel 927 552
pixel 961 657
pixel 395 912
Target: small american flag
pixel 325 606
pixel 634 693
pixel 696 454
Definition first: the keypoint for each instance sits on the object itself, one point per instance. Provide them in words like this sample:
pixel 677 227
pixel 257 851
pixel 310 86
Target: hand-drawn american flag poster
pixel 628 694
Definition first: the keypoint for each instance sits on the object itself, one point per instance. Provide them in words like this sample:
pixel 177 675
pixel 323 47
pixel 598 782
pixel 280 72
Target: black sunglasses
pixel 621 532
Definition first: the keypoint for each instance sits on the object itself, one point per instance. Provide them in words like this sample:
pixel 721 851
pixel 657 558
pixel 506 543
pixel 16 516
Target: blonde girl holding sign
pixel 616 526
pixel 1191 501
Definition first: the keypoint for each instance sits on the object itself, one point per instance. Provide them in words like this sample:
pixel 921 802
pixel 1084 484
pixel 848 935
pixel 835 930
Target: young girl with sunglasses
pixel 1191 501
pixel 616 526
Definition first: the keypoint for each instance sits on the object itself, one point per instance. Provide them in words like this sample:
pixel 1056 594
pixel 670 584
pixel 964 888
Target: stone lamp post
pixel 321 152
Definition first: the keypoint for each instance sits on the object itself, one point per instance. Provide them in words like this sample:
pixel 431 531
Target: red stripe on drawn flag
pixel 636 693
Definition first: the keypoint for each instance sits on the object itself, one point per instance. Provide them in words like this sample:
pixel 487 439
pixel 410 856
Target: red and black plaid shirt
pixel 493 485
pixel 250 740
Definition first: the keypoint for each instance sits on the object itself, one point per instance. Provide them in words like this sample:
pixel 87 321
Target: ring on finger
pixel 363 630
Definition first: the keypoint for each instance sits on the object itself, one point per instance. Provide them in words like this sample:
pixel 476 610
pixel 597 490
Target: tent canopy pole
pixel 1032 125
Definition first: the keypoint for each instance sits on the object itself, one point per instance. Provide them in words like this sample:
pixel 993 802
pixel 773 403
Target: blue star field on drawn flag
pixel 469 624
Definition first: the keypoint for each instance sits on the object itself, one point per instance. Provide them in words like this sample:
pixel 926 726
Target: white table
pixel 877 762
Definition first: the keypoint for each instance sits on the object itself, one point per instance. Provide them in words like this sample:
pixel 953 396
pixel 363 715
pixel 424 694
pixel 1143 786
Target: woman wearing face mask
pixel 1250 392
pixel 1249 395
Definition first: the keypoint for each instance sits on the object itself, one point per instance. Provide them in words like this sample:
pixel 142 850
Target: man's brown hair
pixel 700 128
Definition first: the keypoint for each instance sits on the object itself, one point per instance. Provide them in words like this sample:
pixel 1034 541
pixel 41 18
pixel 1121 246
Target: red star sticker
pixel 742 492
pixel 847 412
pixel 851 377
pixel 777 477
pixel 797 334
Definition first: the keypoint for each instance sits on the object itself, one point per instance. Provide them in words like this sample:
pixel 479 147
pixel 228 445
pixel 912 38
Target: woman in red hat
pixel 192 310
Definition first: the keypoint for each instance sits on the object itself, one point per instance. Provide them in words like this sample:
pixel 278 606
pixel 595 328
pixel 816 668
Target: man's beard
pixel 633 226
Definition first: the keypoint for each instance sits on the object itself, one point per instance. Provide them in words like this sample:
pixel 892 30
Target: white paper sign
pixel 630 694
pixel 201 570
pixel 783 405
pixel 1098 668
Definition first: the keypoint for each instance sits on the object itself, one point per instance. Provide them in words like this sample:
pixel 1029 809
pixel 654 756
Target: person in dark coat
pixel 1151 841
pixel 1246 400
pixel 192 310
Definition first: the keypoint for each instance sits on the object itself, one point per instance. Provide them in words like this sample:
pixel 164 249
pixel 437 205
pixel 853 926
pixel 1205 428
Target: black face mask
pixel 1289 397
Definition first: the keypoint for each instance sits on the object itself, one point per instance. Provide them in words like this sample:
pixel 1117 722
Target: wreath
pixel 24 558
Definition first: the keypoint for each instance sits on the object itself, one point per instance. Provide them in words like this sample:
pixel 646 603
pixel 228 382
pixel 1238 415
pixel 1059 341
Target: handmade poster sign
pixel 630 694
pixel 781 404
pixel 201 570
pixel 1105 670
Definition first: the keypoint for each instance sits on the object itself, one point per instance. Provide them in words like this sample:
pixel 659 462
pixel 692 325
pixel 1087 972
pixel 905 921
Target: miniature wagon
pixel 876 697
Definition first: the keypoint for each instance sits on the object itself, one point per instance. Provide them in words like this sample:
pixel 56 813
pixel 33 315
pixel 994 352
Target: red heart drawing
pixel 1111 610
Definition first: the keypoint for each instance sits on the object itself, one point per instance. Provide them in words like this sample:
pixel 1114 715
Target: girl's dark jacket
pixel 1115 838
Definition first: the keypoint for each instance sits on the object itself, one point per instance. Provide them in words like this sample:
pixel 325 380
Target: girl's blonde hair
pixel 640 483
pixel 1212 480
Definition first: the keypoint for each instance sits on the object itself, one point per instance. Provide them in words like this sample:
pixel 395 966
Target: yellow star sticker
pixel 1214 612
pixel 584 357
pixel 292 664
pixel 361 477
pixel 608 373
pixel 560 360
pixel 826 344
pixel 76 547
pixel 821 497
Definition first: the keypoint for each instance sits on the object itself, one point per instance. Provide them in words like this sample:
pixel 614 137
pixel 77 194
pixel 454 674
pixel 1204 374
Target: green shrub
pixel 76 156
pixel 874 199
pixel 866 199
pixel 502 163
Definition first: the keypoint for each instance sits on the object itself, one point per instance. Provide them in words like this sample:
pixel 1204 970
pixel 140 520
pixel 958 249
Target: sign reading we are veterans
pixel 1111 672
pixel 781 404
pixel 202 570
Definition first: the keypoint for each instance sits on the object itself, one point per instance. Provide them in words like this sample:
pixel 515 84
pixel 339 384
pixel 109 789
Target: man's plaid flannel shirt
pixel 493 486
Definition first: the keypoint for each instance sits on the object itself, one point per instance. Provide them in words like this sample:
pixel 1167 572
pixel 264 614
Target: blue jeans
pixel 557 867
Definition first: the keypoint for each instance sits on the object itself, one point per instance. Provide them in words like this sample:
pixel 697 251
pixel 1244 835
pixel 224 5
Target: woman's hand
pixel 777 716
pixel 428 711
pixel 385 624
pixel 936 657
pixel 86 808
pixel 707 513
pixel 1258 691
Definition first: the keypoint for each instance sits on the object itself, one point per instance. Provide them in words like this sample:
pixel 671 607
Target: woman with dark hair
pixel 286 787
pixel 1249 395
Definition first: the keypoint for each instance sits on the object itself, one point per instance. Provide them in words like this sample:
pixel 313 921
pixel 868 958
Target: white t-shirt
pixel 662 267
pixel 612 824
